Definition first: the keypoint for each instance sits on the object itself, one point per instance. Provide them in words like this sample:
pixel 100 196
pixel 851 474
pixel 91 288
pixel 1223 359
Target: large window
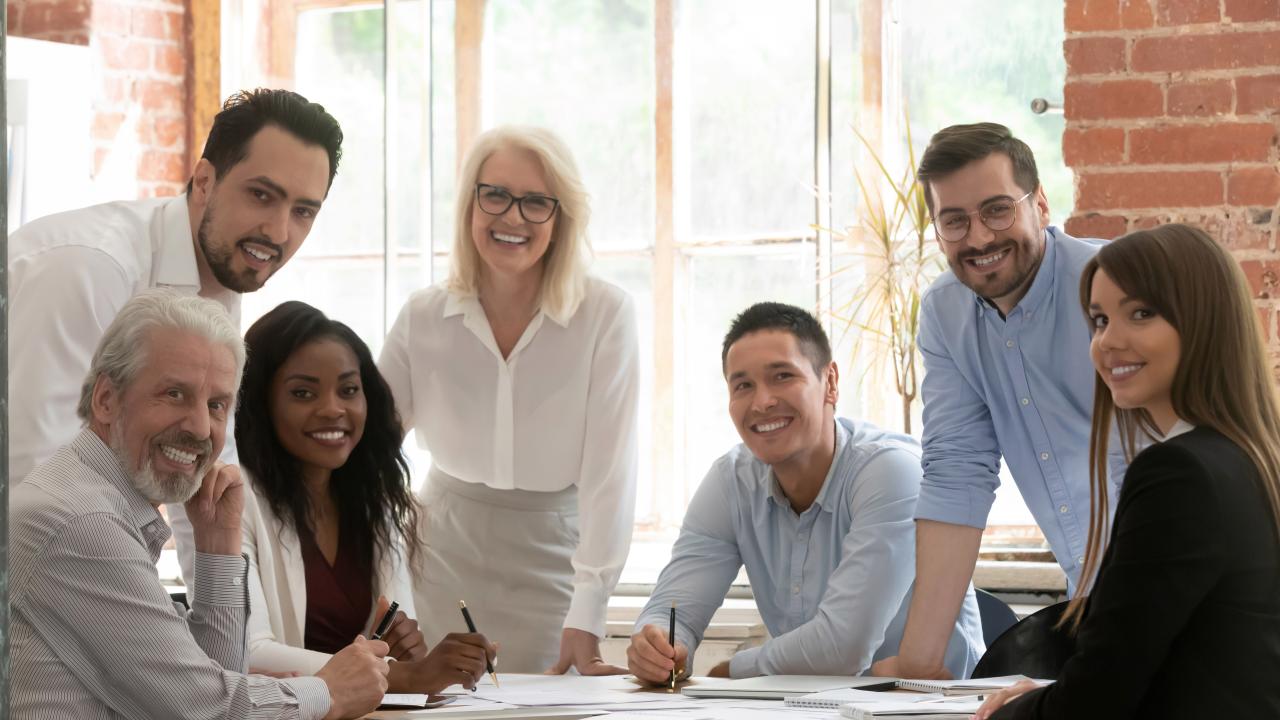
pixel 716 138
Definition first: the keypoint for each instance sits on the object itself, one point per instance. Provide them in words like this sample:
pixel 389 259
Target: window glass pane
pixel 444 128
pixel 963 62
pixel 846 109
pixel 634 273
pixel 744 118
pixel 337 61
pixel 584 69
pixel 719 287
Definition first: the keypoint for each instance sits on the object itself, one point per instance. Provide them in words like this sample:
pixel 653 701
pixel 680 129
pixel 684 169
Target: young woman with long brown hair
pixel 1183 618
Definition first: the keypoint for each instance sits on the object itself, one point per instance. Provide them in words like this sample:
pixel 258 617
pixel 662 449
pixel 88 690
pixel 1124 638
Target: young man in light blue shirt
pixel 819 510
pixel 1007 375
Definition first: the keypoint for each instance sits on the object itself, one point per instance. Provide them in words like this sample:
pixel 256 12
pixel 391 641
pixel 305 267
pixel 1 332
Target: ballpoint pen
pixel 471 627
pixel 671 640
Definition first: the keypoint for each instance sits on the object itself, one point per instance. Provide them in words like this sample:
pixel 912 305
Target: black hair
pixel 808 332
pixel 952 148
pixel 248 111
pixel 371 491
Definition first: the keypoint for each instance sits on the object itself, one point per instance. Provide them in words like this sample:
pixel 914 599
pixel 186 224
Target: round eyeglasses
pixel 997 214
pixel 495 200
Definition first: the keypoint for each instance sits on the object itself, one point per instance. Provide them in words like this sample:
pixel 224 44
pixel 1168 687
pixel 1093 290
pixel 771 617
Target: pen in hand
pixel 671 640
pixel 471 627
pixel 385 623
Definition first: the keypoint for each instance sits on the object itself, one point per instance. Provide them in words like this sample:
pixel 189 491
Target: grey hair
pixel 121 353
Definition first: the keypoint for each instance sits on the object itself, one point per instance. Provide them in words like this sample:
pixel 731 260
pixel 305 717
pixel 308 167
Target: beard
pixel 1026 259
pixel 156 487
pixel 219 258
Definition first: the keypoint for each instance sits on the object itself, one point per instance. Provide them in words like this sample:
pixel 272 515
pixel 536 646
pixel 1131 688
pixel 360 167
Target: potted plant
pixel 894 244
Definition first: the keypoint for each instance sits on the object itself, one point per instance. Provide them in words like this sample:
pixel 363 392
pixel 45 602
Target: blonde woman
pixel 519 376
pixel 1183 620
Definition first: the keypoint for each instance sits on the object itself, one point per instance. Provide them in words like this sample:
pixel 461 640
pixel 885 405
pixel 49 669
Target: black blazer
pixel 1184 621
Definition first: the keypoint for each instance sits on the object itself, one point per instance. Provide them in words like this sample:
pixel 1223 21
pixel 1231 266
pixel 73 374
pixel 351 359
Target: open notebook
pixel 947 709
pixel 778 687
pixel 973 686
pixel 835 699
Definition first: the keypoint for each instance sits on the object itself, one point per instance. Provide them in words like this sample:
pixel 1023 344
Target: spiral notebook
pixel 945 709
pixel 973 686
pixel 834 699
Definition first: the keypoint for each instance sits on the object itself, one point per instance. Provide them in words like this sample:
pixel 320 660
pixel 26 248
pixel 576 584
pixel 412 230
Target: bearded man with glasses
pixel 1007 375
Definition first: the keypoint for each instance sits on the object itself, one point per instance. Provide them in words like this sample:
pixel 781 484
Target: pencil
pixel 471 627
pixel 671 640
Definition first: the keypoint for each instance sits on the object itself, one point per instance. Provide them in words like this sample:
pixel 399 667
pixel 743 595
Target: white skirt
pixel 507 554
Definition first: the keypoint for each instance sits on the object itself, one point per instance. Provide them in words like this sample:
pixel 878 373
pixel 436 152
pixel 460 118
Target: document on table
pixel 573 690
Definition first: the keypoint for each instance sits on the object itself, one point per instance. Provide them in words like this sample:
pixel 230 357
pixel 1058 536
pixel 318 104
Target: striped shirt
pixel 93 633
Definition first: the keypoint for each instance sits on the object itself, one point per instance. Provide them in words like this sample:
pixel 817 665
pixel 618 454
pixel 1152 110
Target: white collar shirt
pixel 560 410
pixel 69 275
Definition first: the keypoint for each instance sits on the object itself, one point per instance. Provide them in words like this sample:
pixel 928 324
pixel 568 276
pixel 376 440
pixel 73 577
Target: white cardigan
pixel 278 590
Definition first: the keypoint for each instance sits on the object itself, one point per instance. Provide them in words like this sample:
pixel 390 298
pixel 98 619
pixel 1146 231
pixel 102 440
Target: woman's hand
pixel 402 636
pixel 581 649
pixel 998 700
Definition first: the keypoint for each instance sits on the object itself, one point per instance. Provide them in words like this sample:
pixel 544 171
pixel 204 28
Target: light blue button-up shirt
pixel 1020 387
pixel 832 583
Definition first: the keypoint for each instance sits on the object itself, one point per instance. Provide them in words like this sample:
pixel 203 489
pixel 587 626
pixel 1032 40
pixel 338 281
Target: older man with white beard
pixel 93 633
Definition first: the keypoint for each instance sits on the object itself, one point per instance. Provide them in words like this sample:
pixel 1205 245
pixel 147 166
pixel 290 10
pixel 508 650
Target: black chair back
pixel 1033 647
pixel 996 616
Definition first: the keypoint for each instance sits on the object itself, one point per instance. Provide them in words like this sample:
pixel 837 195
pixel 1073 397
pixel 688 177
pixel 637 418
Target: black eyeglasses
pixel 495 200
pixel 998 214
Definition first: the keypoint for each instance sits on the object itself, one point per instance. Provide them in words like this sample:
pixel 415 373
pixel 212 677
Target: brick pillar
pixel 1172 116
pixel 139 106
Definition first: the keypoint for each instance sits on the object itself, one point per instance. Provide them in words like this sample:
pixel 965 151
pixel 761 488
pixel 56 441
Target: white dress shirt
pixel 69 275
pixel 559 411
pixel 278 590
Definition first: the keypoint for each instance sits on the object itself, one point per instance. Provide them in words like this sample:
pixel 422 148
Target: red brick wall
pixel 1173 114
pixel 139 107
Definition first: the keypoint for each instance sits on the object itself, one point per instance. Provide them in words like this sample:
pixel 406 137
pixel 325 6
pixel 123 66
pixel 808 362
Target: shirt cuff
pixel 746 663
pixel 312 695
pixel 220 580
pixel 587 610
pixel 957 506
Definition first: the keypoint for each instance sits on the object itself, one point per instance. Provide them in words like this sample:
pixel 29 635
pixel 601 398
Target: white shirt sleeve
pixel 396 367
pixel 607 485
pixel 67 298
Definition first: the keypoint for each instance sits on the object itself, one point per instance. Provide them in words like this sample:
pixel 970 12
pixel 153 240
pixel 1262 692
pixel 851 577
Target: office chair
pixel 1033 647
pixel 996 616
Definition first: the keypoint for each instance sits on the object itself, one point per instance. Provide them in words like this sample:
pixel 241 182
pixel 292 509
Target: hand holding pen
pixel 399 631
pixel 653 657
pixel 471 625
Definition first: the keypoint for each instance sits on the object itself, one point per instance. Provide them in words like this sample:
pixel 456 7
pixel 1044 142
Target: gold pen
pixel 471 627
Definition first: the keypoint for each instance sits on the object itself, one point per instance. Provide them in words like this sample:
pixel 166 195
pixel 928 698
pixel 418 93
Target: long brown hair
pixel 1223 381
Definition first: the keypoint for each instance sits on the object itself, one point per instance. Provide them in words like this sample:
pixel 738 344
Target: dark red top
pixel 339 596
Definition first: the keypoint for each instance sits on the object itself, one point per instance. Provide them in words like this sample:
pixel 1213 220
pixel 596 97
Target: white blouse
pixel 559 411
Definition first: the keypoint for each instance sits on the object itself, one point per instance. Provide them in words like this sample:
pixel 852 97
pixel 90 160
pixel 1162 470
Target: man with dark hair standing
pixel 266 168
pixel 818 509
pixel 1007 375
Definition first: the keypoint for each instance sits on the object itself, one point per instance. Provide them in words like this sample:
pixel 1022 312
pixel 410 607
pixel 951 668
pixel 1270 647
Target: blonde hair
pixel 565 264
pixel 1223 380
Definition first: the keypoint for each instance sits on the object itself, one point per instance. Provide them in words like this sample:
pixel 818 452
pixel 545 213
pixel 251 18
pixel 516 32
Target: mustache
pixel 263 241
pixel 187 441
pixel 991 247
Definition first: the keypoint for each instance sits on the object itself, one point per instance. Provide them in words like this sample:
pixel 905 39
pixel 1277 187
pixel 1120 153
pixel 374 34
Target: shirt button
pixel 1044 456
pixel 1008 343
pixel 235 581
pixel 795 589
pixel 1026 401
pixel 1063 509
pixel 1080 560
